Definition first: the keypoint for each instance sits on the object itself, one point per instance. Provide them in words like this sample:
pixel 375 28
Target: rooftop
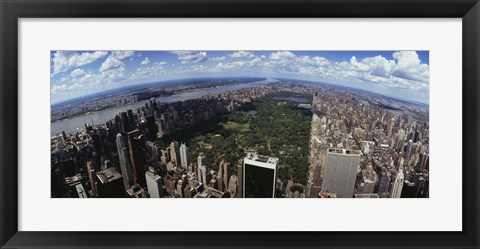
pixel 260 158
pixel 343 151
pixel 210 193
pixel 366 196
pixel 108 175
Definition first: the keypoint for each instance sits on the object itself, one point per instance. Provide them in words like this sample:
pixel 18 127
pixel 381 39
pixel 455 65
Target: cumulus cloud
pixel 404 71
pixel 282 55
pixel 410 67
pixel 186 57
pixel 149 72
pixel 242 54
pixel 217 59
pixel 77 73
pixel 145 61
pixel 63 61
pixel 111 63
pixel 113 68
pixel 64 88
pixel 120 55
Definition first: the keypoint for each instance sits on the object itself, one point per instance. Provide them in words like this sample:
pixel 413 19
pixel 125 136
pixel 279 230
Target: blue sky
pixel 401 74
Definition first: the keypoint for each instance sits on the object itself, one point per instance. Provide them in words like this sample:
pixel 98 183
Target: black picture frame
pixel 11 11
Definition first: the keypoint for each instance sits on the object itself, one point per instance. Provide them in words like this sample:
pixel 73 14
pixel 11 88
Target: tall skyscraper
pixel 259 176
pixel 91 178
pixel 184 156
pixel 175 153
pixel 152 129
pixel 224 172
pixel 136 148
pixel 203 175
pixel 154 184
pixel 390 127
pixel 110 184
pixel 341 172
pixel 201 159
pixel 409 150
pixel 398 184
pixel 240 180
pixel 124 161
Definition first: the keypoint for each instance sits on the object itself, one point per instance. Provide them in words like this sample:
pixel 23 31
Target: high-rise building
pixel 165 156
pixel 110 184
pixel 154 184
pixel 136 147
pixel 201 160
pixel 390 127
pixel 224 172
pixel 175 153
pixel 341 172
pixel 409 150
pixel 152 129
pixel 240 179
pixel 124 161
pixel 203 175
pixel 136 191
pixel 398 183
pixel 91 178
pixel 259 176
pixel 183 156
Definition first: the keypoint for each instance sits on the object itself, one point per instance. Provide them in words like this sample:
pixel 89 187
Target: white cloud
pixel 242 54
pixel 77 73
pixel 111 63
pixel 186 57
pixel 145 61
pixel 282 55
pixel 410 67
pixel 404 71
pixel 148 72
pixel 62 89
pixel 217 59
pixel 122 54
pixel 63 61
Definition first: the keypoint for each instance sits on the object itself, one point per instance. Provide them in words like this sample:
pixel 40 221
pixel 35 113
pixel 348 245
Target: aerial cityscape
pixel 239 124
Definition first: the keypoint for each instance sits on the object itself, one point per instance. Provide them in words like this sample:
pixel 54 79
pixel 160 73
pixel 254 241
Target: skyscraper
pixel 91 178
pixel 224 172
pixel 136 147
pixel 201 160
pixel 184 156
pixel 398 184
pixel 341 172
pixel 152 128
pixel 259 176
pixel 124 161
pixel 203 175
pixel 110 184
pixel 154 184
pixel 175 153
pixel 240 179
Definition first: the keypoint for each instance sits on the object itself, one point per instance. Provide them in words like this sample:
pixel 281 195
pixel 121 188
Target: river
pixel 101 117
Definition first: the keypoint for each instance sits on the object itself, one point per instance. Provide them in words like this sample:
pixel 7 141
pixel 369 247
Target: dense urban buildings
pixel 279 138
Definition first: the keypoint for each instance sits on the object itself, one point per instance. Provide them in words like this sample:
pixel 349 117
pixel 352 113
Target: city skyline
pixel 399 74
pixel 240 124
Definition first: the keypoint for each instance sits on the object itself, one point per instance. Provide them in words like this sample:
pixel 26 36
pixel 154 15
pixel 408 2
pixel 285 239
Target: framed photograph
pixel 306 124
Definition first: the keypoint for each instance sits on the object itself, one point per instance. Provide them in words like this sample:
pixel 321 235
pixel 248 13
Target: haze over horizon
pixel 399 74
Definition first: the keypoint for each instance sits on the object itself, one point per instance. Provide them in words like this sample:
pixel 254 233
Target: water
pixel 101 117
pixel 299 100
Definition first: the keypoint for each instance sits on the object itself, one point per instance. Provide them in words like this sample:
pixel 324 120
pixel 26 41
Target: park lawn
pixel 236 127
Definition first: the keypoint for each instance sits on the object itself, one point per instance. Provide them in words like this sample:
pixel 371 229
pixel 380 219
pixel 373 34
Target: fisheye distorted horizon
pixel 401 74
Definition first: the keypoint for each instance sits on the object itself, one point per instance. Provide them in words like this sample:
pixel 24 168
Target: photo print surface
pixel 239 124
